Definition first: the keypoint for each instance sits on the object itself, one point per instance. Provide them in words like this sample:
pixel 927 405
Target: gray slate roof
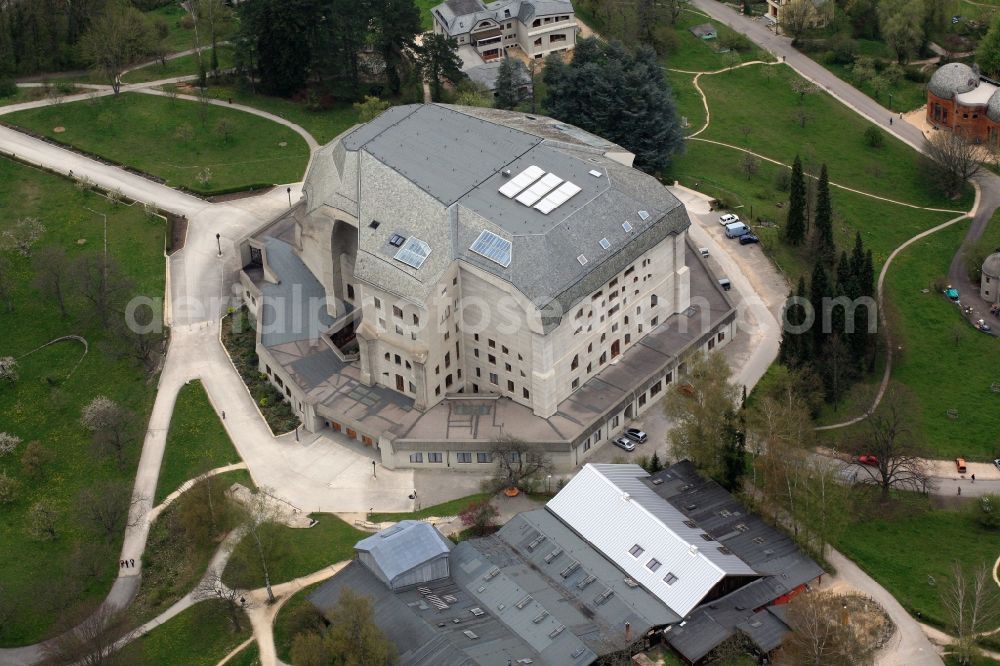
pixel 459 16
pixel 404 546
pixel 952 79
pixel 433 171
pixel 991 266
pixel 297 303
pixel 486 74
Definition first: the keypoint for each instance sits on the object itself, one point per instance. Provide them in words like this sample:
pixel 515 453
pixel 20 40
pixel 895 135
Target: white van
pixel 736 229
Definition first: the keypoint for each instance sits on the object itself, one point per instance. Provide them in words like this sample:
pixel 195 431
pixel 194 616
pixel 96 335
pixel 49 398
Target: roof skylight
pixel 605 243
pixel 545 185
pixel 626 225
pixel 413 252
pixel 644 215
pixel 493 247
pixel 561 195
pixel 521 181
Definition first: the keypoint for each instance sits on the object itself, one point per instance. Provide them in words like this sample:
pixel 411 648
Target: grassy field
pixel 45 405
pixel 183 66
pixel 438 510
pixel 199 636
pixel 698 55
pixel 284 631
pixel 248 656
pixel 298 551
pixel 944 373
pixel 176 140
pixel 196 442
pixel 179 38
pixel 425 6
pixel 324 125
pixel 833 134
pixel 36 93
pixel 902 550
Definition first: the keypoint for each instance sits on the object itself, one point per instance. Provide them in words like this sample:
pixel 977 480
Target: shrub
pixel 8 443
pixel 9 488
pixel 35 456
pixel 842 48
pixel 7 88
pixel 987 511
pixel 8 369
pixel 874 138
pixel 735 41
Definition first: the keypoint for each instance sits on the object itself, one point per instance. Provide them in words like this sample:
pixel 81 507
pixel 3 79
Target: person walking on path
pixel 973 478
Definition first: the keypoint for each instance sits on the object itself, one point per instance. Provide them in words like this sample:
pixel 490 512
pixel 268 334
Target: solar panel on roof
pixel 544 185
pixel 644 214
pixel 582 259
pixel 605 243
pixel 626 225
pixel 493 247
pixel 521 181
pixel 554 199
pixel 413 252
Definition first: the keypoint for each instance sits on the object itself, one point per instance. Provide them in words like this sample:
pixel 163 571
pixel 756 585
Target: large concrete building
pixel 619 560
pixel 452 270
pixel 962 100
pixel 536 27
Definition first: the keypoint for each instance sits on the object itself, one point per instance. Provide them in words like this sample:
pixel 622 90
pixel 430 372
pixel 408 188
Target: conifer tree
pixel 795 223
pixel 825 248
pixel 819 290
pixel 509 78
pixel 794 350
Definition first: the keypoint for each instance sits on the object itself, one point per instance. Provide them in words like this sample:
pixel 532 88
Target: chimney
pixel 628 631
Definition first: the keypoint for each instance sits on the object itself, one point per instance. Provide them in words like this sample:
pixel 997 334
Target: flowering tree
pixel 480 516
pixel 8 369
pixel 8 443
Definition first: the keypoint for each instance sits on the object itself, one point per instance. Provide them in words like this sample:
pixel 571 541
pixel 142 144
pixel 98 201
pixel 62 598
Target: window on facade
pixel 654 321
pixel 492 359
pixel 378 304
pixel 656 388
pixel 636 550
pixel 492 344
pixel 575 384
pixel 628 338
pixel 437 390
pixel 586 444
pixel 506 366
pixel 416 457
pixel 494 379
pixel 670 579
pixel 525 393
pixel 399 329
pixel 448 381
pixel 538 42
pixel 515 456
pixel 510 386
pixel 399 361
pixel 590 348
pixel 711 344
pixel 536 23
pixel 475 388
pixel 475 352
pixel 413 387
pixel 575 363
pixel 653 564
pixel 434 457
pixel 590 368
pixel 447 359
pixel 350 291
pixel 397 311
pixel 387 357
pixel 408 366
pixel 484 457
pixel 722 334
pixel 463 457
pixel 479 372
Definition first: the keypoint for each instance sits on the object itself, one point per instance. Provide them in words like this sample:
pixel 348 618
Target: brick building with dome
pixel 960 98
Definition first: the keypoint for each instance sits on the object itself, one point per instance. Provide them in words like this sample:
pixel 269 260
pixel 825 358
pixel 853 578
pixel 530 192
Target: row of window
pixel 460 456
pixel 653 564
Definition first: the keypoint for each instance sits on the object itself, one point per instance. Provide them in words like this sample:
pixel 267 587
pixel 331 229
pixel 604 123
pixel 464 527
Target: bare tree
pixel 117 38
pixel 950 159
pixel 214 15
pixel 796 17
pixel 106 507
pixel 518 461
pixel 112 425
pixel 235 601
pixel 22 236
pixel 260 514
pixel 102 284
pixel 893 443
pixel 94 642
pixel 972 603
pixel 749 165
pixel 821 634
pixel 52 275
pixel 42 517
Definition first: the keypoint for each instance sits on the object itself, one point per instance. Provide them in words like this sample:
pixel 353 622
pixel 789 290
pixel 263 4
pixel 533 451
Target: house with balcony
pixel 536 27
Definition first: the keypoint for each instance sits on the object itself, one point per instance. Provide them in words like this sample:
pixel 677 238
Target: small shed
pixel 704 31
pixel 409 553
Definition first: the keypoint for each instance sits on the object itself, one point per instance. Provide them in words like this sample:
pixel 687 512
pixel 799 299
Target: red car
pixel 867 459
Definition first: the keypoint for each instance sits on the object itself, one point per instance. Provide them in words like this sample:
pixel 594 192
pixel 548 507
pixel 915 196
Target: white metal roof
pixel 610 507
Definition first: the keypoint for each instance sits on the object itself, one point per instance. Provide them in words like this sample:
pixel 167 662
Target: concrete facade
pixel 989 284
pixel 537 27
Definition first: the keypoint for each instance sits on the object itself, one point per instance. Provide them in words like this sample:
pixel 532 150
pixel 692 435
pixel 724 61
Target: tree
pixel 22 236
pixel 703 409
pixel 779 432
pixel 987 512
pixel 259 514
pixel 518 462
pixel 94 642
pixel 654 463
pixel 35 457
pixel 394 25
pixel 8 442
pixel 825 503
pixel 796 17
pixel 749 165
pixel 105 507
pixel 214 14
pixel 988 51
pixel 311 649
pixel 275 35
pixel 874 137
pixel 42 518
pixel 112 425
pixel 480 517
pixel 795 222
pixel 438 60
pixel 891 439
pixel 370 108
pixel 119 37
pixel 511 77
pixel 52 269
pixel 205 511
pixel 473 93
pixel 972 603
pixel 102 285
pixel 619 95
pixel 819 293
pixel 234 600
pixel 225 128
pixel 823 228
pixel 901 23
pixel 354 637
pixel 950 159
pixel 819 635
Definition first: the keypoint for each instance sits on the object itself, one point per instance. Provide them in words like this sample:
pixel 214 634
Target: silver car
pixel 625 443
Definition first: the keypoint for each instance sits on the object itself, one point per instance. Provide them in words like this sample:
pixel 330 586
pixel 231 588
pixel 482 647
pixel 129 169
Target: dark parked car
pixel 625 443
pixel 636 435
pixel 747 239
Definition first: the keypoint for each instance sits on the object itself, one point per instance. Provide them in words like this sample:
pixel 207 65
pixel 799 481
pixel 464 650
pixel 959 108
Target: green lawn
pixel 196 442
pixel 248 656
pixel 324 125
pixel 698 55
pixel 833 134
pixel 438 510
pixel 425 6
pixel 688 100
pixel 902 550
pixel 45 406
pixel 285 623
pixel 200 636
pixel 183 66
pixel 35 93
pixel 717 171
pixel 300 551
pixel 179 38
pixel 944 374
pixel 176 140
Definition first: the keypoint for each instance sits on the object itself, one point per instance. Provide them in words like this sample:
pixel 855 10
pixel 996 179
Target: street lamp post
pixel 890 101
pixel 218 241
pixel 289 190
pixel 548 479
